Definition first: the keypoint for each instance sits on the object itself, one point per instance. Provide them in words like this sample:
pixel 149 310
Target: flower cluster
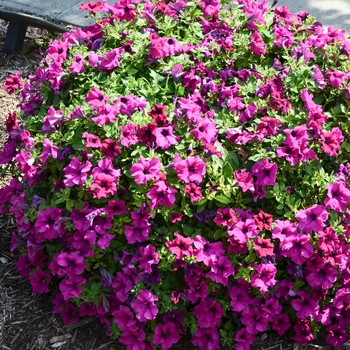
pixel 182 168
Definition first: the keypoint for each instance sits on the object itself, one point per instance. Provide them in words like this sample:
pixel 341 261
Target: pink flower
pixel 244 180
pixel 40 282
pixel 331 141
pixel 338 197
pixel 225 217
pixel 206 338
pixel 191 169
pixel 145 170
pixel 103 186
pixel 49 150
pixel 166 335
pixel 180 246
pixel 257 44
pixel 205 130
pixel 92 141
pixel 312 219
pixel 144 306
pixel 194 192
pixel 128 134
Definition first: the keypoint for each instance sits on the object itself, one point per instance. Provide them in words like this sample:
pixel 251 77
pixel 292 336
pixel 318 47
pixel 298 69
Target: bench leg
pixel 16 33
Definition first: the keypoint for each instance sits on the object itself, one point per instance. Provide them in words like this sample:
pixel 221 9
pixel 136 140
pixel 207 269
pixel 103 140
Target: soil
pixel 26 319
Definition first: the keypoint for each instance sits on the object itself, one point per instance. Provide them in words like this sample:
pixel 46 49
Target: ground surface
pixel 26 320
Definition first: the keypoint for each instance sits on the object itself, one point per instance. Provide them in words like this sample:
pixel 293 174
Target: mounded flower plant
pixel 181 167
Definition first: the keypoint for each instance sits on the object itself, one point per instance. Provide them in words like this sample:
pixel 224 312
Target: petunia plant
pixel 180 168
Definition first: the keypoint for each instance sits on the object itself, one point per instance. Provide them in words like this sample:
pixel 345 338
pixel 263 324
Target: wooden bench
pixel 17 28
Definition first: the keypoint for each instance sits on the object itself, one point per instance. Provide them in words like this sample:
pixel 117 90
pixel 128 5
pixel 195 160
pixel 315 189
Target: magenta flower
pixel 124 317
pixel 191 169
pixel 146 170
pixel 297 247
pixel 205 130
pixel 220 269
pixel 240 299
pixel 76 172
pixel 265 277
pixel 49 150
pixel 46 223
pixel 161 194
pixel 106 113
pixel 205 250
pixel 73 263
pixel 244 339
pixel 40 281
pixel 165 137
pixel 257 44
pixel 209 313
pixel 338 197
pixel 206 338
pixel 265 173
pixel 71 287
pixel 324 276
pixel 305 306
pixel 128 134
pixel 135 234
pixel 312 219
pixel 148 257
pixel 303 332
pixel 337 335
pixel 255 320
pixel 122 285
pixel 133 339
pixel 144 306
pixel 166 335
pixel 281 323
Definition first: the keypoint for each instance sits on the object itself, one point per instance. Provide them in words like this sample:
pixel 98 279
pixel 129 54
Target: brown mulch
pixel 26 319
